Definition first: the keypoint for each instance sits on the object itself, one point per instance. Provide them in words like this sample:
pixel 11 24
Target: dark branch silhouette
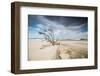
pixel 48 34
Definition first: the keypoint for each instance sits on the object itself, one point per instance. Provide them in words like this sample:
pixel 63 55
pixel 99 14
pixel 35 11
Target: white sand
pixel 42 50
pixel 46 53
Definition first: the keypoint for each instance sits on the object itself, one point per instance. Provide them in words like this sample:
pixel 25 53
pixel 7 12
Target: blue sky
pixel 64 27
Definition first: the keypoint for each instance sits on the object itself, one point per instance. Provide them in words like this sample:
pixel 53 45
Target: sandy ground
pixel 42 50
pixel 73 49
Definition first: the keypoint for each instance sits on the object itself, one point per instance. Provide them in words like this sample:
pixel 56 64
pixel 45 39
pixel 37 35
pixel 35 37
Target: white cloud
pixel 61 31
pixel 51 24
pixel 69 34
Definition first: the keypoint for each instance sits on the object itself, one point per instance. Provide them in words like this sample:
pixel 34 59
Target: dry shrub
pixel 73 52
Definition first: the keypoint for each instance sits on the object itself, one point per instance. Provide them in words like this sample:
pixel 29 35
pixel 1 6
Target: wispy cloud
pixel 64 27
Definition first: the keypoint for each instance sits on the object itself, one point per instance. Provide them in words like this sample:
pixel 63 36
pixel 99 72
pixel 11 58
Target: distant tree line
pixel 83 39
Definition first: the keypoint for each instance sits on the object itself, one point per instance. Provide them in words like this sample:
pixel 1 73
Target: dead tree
pixel 48 34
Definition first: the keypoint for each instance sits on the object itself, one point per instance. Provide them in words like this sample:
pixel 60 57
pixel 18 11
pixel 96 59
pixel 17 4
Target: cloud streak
pixel 64 27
